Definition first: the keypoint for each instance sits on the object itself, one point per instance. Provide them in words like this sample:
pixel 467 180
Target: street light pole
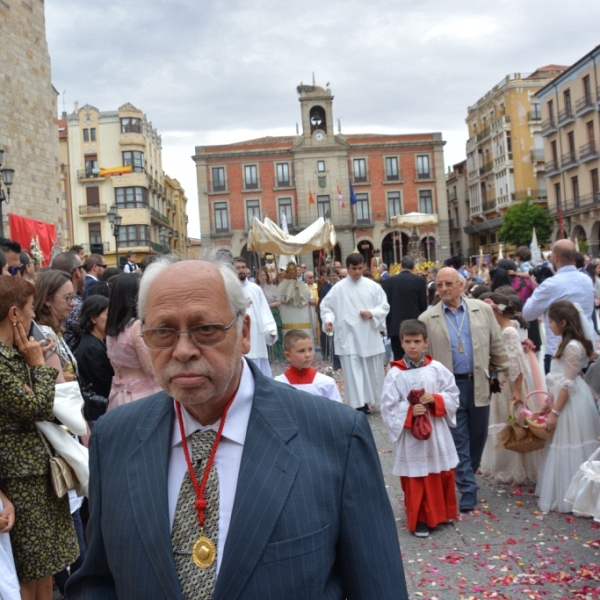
pixel 7 176
pixel 114 218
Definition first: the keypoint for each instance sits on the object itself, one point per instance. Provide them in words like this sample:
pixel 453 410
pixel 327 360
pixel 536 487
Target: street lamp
pixel 7 178
pixel 164 238
pixel 114 218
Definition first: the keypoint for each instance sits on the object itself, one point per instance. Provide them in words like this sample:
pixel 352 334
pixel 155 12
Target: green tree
pixel 520 220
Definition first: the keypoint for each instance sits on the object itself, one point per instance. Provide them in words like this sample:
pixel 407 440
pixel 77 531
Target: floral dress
pixel 43 537
pixel 497 462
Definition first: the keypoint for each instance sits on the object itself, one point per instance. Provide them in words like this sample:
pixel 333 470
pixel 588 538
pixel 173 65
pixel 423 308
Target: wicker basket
pixel 523 441
pixel 539 430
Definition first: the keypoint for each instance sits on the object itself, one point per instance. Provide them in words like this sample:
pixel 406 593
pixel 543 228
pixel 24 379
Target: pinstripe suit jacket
pixel 311 517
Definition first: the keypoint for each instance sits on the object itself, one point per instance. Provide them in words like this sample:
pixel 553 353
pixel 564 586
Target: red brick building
pixel 272 176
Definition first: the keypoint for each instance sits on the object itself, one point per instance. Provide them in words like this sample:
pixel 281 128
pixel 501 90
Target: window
pixel 425 201
pixel 89 135
pixel 567 97
pixel 423 170
pixel 131 125
pixel 508 143
pixel 91 165
pixel 95 232
pixel 134 235
pixel 557 195
pixel 283 174
pixel 551 110
pixel 321 166
pixel 92 195
pixel 360 170
pixel 251 177
pixel 554 151
pixel 536 112
pixel 571 140
pixel 391 168
pixel 590 131
pixel 285 208
pixel 131 197
pixel 135 159
pixel 221 217
pixel 324 207
pixel 252 210
pixel 218 179
pixel 575 185
pixel 595 183
pixel 361 208
pixel 587 90
pixel 394 207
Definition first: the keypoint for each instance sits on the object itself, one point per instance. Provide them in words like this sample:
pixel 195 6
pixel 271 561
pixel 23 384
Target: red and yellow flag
pixel 115 171
pixel 340 196
pixel 311 197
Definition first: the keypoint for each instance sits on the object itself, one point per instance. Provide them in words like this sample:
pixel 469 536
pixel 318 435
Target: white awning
pixel 414 219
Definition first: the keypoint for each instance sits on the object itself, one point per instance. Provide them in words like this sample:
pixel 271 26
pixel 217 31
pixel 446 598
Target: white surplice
pixel 263 329
pixel 358 341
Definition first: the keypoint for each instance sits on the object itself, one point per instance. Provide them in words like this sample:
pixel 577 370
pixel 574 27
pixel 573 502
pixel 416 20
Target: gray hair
pixel 233 288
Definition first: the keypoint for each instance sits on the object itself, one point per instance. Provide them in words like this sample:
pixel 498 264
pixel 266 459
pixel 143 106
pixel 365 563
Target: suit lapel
pixel 147 475
pixel 267 472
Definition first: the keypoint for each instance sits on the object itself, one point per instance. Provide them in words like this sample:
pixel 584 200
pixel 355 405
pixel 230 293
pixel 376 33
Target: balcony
pixel 186 218
pixel 505 199
pixel 489 205
pixel 537 154
pixel 92 210
pixel 500 123
pixel 535 194
pixel 170 205
pixel 89 174
pixel 452 196
pixel 486 167
pixel 584 105
pixel 569 159
pixel 581 204
pixel 158 216
pixel 176 234
pixel 502 159
pixel 534 116
pixel 159 248
pixel 550 166
pixel 548 126
pixel 588 151
pixel 565 115
pixel 93 247
pixel 483 134
pixel 475 209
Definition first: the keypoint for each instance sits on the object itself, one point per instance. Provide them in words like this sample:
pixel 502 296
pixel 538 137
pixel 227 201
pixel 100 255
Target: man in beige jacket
pixel 465 337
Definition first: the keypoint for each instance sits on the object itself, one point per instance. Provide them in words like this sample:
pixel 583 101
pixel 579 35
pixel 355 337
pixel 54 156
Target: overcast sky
pixel 220 72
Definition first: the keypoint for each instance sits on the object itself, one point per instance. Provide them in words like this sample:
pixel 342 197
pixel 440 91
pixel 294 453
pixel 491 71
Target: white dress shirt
pixel 567 284
pixel 228 457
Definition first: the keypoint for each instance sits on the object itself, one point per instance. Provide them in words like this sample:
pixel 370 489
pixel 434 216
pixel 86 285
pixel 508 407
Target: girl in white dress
pixel 497 462
pixel 9 584
pixel 574 421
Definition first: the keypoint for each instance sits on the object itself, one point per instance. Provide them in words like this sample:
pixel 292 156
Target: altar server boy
pixel 418 389
pixel 298 350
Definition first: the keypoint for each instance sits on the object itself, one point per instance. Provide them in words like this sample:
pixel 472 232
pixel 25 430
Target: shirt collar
pixel 411 365
pixel 447 308
pixel 237 417
pixel 566 268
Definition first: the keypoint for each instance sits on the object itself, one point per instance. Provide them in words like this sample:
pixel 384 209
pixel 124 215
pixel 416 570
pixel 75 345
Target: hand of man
pixel 328 326
pixel 365 314
pixel 7 517
pixel 419 409
pixel 427 398
pixel 312 301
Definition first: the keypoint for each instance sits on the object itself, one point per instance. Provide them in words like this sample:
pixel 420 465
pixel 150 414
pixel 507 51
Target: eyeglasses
pixel 103 266
pixel 207 334
pixel 445 284
pixel 75 269
pixel 12 271
pixel 69 298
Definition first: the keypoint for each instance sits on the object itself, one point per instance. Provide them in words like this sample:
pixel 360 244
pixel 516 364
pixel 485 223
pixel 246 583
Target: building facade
pixel 505 154
pixel 457 193
pixel 310 175
pixel 570 107
pixel 28 114
pixel 114 160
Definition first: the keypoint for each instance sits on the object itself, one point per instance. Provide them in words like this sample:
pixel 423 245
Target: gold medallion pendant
pixel 204 553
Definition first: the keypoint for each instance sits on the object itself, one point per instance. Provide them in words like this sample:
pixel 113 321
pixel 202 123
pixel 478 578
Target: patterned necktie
pixel 196 583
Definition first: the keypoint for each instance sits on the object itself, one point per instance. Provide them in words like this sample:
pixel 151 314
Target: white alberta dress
pixel 577 430
pixel 497 462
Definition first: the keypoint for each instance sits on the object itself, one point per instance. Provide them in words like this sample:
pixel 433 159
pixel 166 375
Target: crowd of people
pixel 450 357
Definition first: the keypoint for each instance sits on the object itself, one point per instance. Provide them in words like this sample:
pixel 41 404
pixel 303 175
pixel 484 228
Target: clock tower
pixel 317 113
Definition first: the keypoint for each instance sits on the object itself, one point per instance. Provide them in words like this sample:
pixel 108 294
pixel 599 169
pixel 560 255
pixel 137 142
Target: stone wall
pixel 28 113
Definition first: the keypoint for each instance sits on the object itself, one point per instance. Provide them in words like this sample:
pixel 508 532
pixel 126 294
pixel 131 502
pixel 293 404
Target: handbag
pixel 421 425
pixel 62 475
pixel 495 386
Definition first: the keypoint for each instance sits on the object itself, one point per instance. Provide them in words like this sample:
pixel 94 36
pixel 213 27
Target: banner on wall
pixel 24 230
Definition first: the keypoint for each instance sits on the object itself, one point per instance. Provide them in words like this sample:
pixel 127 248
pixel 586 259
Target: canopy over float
pixel 415 219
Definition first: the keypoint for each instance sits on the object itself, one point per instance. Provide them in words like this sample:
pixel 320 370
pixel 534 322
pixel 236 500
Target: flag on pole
pixel 352 195
pixel 340 196
pixel 311 198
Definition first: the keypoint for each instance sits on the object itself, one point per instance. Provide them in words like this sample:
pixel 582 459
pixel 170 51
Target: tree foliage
pixel 520 220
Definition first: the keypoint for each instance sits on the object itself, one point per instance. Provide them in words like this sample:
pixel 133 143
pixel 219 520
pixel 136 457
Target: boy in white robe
pixel 298 349
pixel 425 466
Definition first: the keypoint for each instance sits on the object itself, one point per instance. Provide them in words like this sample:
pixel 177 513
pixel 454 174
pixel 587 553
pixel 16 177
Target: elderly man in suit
pixel 407 296
pixel 465 337
pixel 287 499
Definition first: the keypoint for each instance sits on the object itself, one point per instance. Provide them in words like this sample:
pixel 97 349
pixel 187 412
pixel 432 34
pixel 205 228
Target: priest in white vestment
pixel 263 329
pixel 355 310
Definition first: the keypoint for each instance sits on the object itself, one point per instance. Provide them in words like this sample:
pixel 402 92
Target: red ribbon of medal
pixel 204 551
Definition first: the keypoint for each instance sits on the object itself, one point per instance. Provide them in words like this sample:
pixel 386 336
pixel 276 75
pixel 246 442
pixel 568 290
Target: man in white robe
pixel 355 310
pixel 263 329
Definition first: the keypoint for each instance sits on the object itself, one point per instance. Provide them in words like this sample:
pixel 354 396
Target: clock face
pixel 319 136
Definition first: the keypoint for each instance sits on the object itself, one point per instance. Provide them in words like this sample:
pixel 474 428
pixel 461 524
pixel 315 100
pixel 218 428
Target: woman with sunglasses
pixel 127 352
